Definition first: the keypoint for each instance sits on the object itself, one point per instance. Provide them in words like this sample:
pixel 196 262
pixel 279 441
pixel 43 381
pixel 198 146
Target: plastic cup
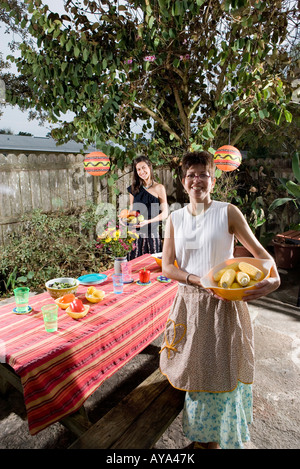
pixel 50 317
pixel 118 283
pixel 21 297
pixel 126 272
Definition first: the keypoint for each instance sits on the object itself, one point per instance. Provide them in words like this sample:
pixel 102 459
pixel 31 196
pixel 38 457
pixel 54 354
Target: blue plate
pixel 92 279
pixel 29 309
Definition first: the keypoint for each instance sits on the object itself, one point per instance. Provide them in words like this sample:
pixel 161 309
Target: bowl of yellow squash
pixel 232 278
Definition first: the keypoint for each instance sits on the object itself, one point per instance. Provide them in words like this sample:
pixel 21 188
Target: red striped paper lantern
pixel 96 163
pixel 227 158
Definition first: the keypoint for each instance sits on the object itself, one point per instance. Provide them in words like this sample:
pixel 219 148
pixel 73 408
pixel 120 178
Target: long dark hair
pixel 136 180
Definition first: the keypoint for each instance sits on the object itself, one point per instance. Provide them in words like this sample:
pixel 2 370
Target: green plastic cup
pixel 50 317
pixel 22 298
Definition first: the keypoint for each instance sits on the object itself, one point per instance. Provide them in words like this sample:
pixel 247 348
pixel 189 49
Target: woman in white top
pixel 208 349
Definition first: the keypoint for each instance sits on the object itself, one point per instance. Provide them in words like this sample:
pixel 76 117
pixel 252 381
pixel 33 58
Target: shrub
pixel 49 246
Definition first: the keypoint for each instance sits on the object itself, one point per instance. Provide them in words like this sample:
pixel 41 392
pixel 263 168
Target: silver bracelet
pixel 187 280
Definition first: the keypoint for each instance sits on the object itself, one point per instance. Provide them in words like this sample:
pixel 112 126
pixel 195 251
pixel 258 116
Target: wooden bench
pixel 139 420
pixel 77 422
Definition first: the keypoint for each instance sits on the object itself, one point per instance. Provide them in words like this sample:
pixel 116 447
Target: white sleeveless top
pixel 202 241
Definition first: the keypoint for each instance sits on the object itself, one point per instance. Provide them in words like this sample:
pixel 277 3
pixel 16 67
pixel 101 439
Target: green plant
pixel 226 187
pixel 49 246
pixel 291 187
pixel 257 214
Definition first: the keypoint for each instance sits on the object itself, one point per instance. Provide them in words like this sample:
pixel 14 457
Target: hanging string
pixel 229 129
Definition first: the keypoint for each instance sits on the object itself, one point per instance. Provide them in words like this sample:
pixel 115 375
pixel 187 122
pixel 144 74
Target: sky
pixel 12 118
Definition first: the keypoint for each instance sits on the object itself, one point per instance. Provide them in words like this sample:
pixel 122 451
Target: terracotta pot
pixel 241 251
pixel 287 256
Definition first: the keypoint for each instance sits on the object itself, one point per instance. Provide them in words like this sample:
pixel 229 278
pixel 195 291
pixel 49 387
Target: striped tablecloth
pixel 60 370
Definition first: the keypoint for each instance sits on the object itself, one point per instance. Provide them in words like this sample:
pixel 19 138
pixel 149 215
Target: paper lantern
pixel 227 158
pixel 96 163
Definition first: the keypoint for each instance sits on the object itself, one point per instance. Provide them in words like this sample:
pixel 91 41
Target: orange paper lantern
pixel 96 163
pixel 227 158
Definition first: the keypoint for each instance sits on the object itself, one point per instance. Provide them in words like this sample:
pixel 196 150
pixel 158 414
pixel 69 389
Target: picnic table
pixel 60 370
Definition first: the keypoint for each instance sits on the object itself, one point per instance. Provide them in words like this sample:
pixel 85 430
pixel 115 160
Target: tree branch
pixel 159 120
pixel 182 113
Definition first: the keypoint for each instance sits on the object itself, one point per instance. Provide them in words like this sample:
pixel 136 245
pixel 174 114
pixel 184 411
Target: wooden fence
pixel 56 181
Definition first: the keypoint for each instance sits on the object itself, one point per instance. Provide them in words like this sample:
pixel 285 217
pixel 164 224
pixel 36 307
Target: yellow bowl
pixel 158 259
pixel 58 292
pixel 235 294
pixel 78 315
pixel 93 299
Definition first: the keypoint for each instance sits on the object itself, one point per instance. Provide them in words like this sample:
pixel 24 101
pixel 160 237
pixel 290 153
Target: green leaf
pixel 110 181
pixel 89 70
pixel 277 202
pixel 22 279
pixel 288 116
pixel 172 33
pixel 293 188
pixel 85 54
pixel 76 51
pixel 151 21
pixel 296 166
pixel 69 45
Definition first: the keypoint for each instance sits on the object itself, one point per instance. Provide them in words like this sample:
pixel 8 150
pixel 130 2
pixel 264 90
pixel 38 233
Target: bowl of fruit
pixel 93 295
pixel 131 217
pixel 77 309
pixel 232 278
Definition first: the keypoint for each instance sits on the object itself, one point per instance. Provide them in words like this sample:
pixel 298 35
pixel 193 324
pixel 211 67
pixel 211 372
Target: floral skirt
pixel 220 417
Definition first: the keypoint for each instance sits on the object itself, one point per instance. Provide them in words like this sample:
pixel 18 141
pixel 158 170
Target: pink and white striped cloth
pixel 60 370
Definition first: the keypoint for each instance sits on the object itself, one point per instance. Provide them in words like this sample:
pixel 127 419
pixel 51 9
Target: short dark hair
pixel 198 157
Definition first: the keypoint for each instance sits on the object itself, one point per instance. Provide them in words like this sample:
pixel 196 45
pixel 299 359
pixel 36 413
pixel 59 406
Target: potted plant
pixel 118 241
pixel 287 245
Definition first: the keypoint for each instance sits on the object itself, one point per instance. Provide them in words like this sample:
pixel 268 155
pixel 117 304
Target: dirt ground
pixel 276 389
